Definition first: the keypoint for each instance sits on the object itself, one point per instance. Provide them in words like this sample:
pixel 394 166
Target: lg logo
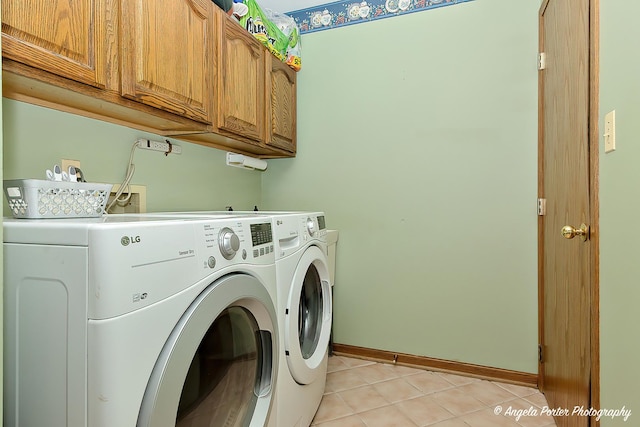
pixel 126 240
pixel 140 297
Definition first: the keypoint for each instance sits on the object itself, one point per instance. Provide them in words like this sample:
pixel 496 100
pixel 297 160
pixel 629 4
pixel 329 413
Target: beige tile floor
pixel 360 393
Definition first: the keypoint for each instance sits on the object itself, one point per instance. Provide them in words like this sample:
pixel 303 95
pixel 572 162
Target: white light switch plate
pixel 610 132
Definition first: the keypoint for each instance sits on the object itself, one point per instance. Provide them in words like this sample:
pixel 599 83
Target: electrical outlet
pixel 66 163
pixel 136 204
pixel 162 146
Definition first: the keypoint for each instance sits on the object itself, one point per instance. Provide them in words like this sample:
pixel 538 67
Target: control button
pixel 255 253
pixel 261 251
pixel 229 242
pixel 244 254
pixel 211 262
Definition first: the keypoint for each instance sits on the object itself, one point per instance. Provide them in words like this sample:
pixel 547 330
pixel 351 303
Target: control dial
pixel 311 226
pixel 228 242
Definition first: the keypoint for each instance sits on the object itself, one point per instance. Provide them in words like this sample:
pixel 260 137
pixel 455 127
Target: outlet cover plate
pixel 610 132
pixel 65 163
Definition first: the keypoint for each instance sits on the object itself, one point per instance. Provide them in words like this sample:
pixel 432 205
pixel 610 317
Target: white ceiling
pixel 289 5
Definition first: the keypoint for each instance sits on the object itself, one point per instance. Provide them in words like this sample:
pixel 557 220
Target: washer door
pixel 308 316
pixel 218 366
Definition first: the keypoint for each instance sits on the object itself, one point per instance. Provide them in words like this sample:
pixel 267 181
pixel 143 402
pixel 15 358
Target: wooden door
pixel 568 277
pixel 241 79
pixel 64 37
pixel 167 55
pixel 281 104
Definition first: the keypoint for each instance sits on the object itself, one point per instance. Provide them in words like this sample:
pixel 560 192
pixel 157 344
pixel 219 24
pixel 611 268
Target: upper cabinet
pixel 281 105
pixel 178 68
pixel 241 78
pixel 64 37
pixel 167 55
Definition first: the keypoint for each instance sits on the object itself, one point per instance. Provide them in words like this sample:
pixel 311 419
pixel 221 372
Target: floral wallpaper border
pixel 341 13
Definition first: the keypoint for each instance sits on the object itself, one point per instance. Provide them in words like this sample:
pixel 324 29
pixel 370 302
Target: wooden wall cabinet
pixel 240 89
pixel 67 55
pixel 167 55
pixel 68 39
pixel 173 67
pixel 281 105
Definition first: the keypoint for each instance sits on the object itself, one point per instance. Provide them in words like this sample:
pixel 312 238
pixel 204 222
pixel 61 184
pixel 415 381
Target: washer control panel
pixel 133 261
pixel 241 240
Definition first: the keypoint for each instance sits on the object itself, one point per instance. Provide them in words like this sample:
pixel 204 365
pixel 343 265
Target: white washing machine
pixel 304 314
pixel 145 321
pixel 304 307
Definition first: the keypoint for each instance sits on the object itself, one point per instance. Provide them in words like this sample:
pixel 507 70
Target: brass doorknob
pixel 569 232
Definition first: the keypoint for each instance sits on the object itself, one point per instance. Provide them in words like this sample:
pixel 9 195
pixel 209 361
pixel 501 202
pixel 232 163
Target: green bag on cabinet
pixel 256 22
pixel 289 28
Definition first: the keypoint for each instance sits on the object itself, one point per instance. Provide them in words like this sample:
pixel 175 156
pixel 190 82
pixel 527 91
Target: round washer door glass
pixel 310 312
pixel 308 322
pixel 220 383
pixel 216 368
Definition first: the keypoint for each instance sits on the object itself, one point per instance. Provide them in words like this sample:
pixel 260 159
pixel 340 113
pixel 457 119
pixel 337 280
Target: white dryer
pixel 139 321
pixel 304 314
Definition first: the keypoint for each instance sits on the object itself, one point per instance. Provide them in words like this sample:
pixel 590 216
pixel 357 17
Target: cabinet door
pixel 281 108
pixel 240 94
pixel 64 37
pixel 167 55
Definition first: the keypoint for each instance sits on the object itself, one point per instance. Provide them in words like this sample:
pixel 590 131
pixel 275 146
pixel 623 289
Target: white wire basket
pixel 36 198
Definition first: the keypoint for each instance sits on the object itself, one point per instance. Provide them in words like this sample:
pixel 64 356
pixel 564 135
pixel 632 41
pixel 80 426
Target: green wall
pixel 418 138
pixel 619 206
pixel 36 138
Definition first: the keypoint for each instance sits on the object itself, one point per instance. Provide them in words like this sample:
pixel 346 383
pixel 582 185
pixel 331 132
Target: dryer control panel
pixel 293 231
pixel 316 226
